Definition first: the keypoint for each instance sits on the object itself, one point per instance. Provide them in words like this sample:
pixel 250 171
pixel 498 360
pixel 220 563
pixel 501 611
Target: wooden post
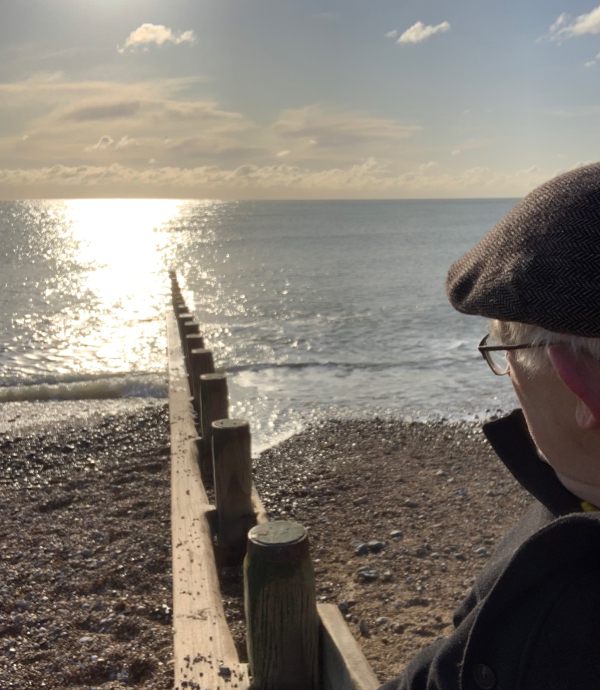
pixel 192 341
pixel 195 341
pixel 201 362
pixel 281 614
pixel 180 307
pixel 189 327
pixel 182 317
pixel 213 404
pixel 232 467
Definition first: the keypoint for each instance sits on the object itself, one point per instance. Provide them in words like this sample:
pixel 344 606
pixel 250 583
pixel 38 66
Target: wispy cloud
pixel 148 35
pixel 336 128
pixel 419 32
pixel 105 142
pixel 79 122
pixel 103 111
pixel 593 61
pixel 565 27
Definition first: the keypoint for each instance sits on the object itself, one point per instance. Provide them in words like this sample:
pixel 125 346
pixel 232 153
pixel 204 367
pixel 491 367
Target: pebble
pixel 361 550
pixel 366 574
pixel 362 500
pixel 376 546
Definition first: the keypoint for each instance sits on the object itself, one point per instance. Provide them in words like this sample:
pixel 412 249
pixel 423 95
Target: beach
pixel 401 517
pixel 85 581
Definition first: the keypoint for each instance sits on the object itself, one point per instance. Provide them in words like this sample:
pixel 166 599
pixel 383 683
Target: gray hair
pixel 513 333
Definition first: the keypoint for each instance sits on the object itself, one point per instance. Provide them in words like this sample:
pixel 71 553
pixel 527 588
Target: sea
pixel 315 309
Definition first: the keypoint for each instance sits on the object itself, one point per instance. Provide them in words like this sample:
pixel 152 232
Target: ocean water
pixel 315 309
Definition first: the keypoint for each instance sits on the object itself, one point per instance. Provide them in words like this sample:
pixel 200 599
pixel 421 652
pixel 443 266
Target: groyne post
pixel 190 327
pixel 213 405
pixel 183 317
pixel 193 341
pixel 201 362
pixel 281 613
pixel 232 467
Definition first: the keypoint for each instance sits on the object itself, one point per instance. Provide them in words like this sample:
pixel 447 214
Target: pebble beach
pixel 401 516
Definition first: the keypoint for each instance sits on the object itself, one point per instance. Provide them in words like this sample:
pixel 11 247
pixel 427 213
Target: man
pixel 532 620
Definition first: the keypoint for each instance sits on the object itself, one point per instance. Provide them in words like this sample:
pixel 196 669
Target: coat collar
pixel 510 438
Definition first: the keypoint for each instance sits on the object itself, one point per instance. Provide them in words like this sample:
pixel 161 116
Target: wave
pixel 102 387
pixel 345 366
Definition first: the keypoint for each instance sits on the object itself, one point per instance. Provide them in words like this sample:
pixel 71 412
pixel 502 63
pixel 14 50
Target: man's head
pixel 537 276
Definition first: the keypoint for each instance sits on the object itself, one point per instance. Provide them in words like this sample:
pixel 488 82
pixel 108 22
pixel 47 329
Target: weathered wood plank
pixel 259 509
pixel 344 666
pixel 204 653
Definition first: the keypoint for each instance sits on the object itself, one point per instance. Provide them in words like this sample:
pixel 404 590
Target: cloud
pixel 593 61
pixel 369 178
pixel 585 24
pixel 105 142
pixel 104 111
pixel 559 23
pixel 337 129
pixel 124 142
pixel 391 34
pixel 66 120
pixel 148 35
pixel 419 32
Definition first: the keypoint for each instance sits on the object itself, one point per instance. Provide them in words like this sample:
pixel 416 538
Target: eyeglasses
pixel 495 355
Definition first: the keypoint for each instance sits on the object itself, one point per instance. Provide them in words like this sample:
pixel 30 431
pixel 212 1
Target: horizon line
pixel 269 200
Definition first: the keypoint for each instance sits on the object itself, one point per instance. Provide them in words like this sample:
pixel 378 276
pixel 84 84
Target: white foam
pixel 101 388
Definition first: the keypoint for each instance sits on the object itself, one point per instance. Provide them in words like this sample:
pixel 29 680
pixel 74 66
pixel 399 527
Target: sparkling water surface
pixel 314 309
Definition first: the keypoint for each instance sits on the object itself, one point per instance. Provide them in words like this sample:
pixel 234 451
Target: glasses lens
pixel 498 361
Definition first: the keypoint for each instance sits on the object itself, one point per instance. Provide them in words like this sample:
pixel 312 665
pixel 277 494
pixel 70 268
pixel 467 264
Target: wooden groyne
pixel 293 643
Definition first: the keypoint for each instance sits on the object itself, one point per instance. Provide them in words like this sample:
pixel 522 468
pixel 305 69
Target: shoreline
pixel 85 563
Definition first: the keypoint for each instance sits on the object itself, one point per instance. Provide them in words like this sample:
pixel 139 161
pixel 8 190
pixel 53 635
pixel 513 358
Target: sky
pixel 295 99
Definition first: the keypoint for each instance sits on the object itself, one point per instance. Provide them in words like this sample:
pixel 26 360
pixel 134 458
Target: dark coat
pixel 532 619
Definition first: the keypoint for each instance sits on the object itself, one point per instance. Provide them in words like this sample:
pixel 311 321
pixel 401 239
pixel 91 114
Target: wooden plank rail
pixel 204 652
pixel 315 650
pixel 343 663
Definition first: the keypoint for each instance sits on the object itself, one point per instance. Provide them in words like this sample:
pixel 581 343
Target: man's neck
pixel 587 492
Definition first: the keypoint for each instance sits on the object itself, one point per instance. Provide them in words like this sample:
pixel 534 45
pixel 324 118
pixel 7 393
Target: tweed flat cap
pixel 541 263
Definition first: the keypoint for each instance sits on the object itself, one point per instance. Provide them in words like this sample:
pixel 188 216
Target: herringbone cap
pixel 541 263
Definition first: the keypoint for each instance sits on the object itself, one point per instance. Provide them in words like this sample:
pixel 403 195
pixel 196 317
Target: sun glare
pixel 121 246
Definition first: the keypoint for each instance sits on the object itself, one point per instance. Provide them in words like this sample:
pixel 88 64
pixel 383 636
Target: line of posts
pixel 282 623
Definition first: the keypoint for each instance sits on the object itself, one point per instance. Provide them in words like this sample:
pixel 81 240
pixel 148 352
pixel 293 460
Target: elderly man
pixel 532 620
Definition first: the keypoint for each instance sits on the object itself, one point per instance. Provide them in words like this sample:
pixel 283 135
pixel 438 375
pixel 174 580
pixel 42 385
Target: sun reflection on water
pixel 122 252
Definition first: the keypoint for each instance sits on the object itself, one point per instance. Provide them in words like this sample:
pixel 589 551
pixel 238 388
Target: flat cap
pixel 541 263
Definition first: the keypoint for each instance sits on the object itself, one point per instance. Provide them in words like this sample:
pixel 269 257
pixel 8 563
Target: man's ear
pixel 581 374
